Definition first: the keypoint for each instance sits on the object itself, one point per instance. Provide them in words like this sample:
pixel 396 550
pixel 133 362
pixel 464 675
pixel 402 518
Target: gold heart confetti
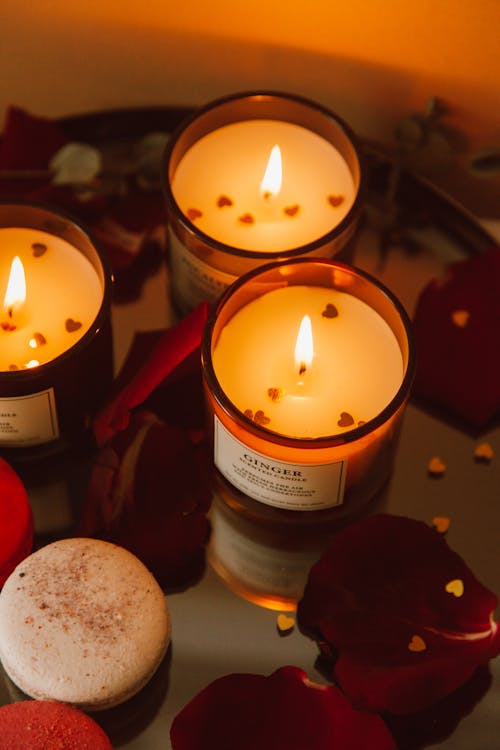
pixel 72 325
pixel 483 453
pixel 441 524
pixel 436 467
pixel 330 311
pixel 193 214
pixel 417 644
pixel 38 249
pixel 224 200
pixel 335 200
pixel 292 210
pixel 346 420
pixel 460 318
pixel 285 624
pixel 246 219
pixel 38 339
pixel 455 587
pixel 275 394
pixel 260 418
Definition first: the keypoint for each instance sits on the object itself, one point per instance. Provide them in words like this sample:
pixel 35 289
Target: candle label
pixel 278 483
pixel 194 279
pixel 28 420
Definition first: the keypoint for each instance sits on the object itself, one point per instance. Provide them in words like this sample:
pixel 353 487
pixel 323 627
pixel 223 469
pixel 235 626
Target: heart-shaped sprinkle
pixel 335 200
pixel 330 311
pixel 460 318
pixel 224 200
pixel 260 418
pixel 285 624
pixel 455 587
pixel 6 326
pixel 193 214
pixel 275 394
pixel 72 325
pixel 361 422
pixel 436 467
pixel 346 420
pixel 38 339
pixel 248 413
pixel 38 249
pixel 441 524
pixel 292 210
pixel 13 367
pixel 417 644
pixel 246 219
pixel 483 453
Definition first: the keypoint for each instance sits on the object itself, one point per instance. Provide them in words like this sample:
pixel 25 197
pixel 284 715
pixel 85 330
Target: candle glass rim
pixel 289 253
pixel 322 441
pixel 107 282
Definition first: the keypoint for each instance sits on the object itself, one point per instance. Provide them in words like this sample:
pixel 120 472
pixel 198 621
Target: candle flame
pixel 271 182
pixel 304 348
pixel 15 295
pixel 32 363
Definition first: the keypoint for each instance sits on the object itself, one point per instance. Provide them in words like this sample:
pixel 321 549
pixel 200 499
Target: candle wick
pixel 9 312
pixel 302 368
pixel 267 195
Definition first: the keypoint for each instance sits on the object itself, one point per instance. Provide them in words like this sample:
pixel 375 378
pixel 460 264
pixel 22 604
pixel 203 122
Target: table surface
pixel 216 630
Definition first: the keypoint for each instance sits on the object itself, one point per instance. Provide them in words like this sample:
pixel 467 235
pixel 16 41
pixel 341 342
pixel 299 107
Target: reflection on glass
pixel 266 563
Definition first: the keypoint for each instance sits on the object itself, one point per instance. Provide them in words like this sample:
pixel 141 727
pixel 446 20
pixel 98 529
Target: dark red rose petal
pixel 377 600
pixel 176 344
pixel 149 493
pixel 458 366
pixel 29 142
pixel 284 710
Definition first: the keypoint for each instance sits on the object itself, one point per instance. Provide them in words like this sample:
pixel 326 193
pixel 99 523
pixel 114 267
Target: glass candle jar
pixel 56 358
pixel 253 178
pixel 307 369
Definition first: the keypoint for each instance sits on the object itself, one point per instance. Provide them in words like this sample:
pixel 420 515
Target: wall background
pixel 372 62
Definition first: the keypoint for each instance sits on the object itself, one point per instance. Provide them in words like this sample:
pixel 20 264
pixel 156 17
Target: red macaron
pixel 47 725
pixel 16 521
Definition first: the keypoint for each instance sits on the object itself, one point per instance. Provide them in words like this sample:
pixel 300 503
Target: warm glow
pixel 304 348
pixel 271 182
pixel 16 287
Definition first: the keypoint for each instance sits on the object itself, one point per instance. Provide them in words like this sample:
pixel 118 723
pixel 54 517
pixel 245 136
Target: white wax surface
pixel 357 366
pixel 231 161
pixel 61 284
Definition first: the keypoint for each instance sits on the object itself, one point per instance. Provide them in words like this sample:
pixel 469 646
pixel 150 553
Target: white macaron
pixel 84 622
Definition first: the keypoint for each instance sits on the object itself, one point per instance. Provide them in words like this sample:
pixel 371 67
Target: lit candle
pixel 264 362
pixel 264 185
pixel 307 367
pixel 53 294
pixel 55 331
pixel 254 178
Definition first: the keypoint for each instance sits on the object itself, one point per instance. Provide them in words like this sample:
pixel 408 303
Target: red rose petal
pixel 29 142
pixel 176 345
pixel 458 365
pixel 149 493
pixel 284 710
pixel 380 586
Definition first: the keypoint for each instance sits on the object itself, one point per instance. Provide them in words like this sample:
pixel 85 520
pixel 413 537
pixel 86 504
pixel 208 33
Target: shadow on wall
pixel 57 68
